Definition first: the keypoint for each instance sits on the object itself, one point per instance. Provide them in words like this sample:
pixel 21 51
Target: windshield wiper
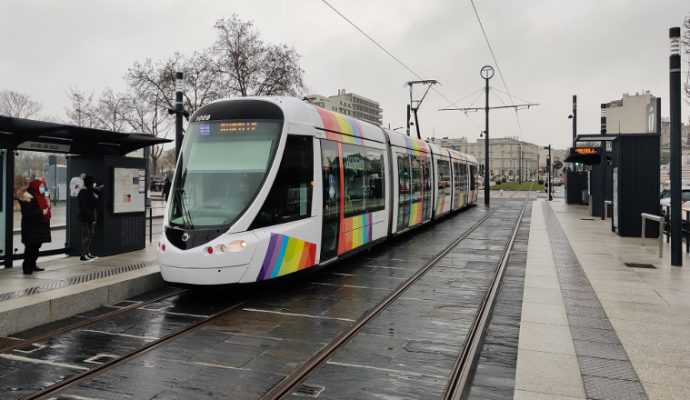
pixel 183 209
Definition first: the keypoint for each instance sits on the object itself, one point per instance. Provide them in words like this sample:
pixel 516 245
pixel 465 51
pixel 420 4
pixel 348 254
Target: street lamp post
pixel 675 144
pixel 548 167
pixel 487 72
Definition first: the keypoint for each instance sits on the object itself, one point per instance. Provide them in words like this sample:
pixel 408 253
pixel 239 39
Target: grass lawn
pixel 534 186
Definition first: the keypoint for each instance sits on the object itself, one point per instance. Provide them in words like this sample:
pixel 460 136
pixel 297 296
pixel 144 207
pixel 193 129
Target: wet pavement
pixel 408 351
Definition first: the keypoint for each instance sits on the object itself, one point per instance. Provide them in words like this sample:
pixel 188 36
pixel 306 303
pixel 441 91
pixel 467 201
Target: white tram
pixel 268 186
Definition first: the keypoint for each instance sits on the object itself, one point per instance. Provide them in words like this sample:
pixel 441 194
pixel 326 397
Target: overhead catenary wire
pixel 498 67
pixel 390 54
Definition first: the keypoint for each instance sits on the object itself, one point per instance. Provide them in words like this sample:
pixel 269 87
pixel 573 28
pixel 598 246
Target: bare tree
pixel 249 67
pixel 145 114
pixel 202 81
pixel 106 112
pixel 18 105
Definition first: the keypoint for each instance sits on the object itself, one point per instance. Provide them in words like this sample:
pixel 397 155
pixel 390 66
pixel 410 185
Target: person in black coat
pixel 88 202
pixel 35 223
pixel 166 188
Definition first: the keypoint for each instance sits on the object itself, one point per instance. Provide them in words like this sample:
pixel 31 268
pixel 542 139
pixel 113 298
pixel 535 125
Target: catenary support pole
pixel 676 174
pixel 487 72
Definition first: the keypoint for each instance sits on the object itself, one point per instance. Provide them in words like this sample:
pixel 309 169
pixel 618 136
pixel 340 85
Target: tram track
pixel 50 391
pixel 82 324
pixel 461 375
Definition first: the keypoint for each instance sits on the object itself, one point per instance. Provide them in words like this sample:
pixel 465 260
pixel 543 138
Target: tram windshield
pixel 223 165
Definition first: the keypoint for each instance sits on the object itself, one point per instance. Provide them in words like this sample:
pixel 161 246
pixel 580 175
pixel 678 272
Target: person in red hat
pixel 35 222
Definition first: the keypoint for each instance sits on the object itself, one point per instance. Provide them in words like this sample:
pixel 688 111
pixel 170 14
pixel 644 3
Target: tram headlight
pixel 236 246
pixel 233 247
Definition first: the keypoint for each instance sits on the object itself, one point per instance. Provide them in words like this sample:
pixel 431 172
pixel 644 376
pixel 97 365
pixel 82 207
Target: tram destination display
pixel 129 190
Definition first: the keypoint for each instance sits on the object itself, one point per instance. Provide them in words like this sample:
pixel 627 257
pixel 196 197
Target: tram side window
pixel 463 177
pixel 416 169
pixel 290 196
pixel 375 183
pixel 473 177
pixel 426 165
pixel 404 178
pixel 443 177
pixel 364 180
pixel 458 178
pixel 355 180
pixel 330 165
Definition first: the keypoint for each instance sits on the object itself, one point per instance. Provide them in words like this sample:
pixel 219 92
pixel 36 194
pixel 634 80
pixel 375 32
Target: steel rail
pixel 459 384
pixel 71 327
pixel 290 382
pixel 50 391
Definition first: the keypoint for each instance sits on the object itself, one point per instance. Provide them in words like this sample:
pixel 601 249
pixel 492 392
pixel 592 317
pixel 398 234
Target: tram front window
pixel 223 165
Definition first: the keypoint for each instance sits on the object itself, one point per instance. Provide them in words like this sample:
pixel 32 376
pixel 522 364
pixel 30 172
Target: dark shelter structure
pixel 630 182
pixel 94 150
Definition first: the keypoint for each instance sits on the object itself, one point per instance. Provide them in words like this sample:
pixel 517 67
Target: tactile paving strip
pixel 74 280
pixel 604 364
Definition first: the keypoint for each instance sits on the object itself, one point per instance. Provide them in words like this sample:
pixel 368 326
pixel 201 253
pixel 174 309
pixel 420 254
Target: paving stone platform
pixel 69 286
pixel 592 327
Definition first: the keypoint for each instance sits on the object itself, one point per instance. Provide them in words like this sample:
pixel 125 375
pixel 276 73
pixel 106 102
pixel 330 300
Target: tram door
pixel 404 192
pixel 330 166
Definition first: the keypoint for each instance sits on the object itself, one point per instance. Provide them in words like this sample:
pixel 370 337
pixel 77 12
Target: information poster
pixel 129 191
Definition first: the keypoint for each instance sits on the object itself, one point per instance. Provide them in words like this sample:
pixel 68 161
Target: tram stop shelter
pixel 104 154
pixel 625 171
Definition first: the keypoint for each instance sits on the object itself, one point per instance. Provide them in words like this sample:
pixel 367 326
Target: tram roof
pixel 27 134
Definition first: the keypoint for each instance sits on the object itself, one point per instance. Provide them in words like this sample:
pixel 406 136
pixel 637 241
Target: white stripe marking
pixel 203 364
pixel 297 315
pixel 350 286
pixel 146 338
pixel 13 357
pixel 395 371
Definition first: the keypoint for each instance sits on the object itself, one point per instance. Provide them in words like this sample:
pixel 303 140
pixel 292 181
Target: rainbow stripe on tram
pixel 340 127
pixel 413 145
pixel 286 255
pixel 354 232
pixel 416 213
pixel 440 207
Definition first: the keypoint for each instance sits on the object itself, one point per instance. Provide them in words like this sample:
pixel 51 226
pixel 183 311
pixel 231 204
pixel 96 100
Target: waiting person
pixel 166 188
pixel 88 202
pixel 35 222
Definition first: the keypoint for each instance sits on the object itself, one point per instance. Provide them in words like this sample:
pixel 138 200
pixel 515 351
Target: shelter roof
pixel 27 134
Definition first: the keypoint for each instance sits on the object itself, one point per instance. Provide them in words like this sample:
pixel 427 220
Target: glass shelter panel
pixel 29 165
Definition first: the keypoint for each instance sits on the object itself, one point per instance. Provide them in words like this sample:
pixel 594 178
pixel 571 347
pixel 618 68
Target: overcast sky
pixel 546 50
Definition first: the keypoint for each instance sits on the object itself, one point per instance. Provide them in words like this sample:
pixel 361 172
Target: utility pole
pixel 675 144
pixel 602 151
pixel 415 104
pixel 548 167
pixel 487 72
pixel 574 118
pixel 520 165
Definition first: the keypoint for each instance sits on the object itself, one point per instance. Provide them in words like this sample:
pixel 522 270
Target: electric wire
pixel 498 67
pixel 519 98
pixel 380 46
pixel 491 89
pixel 481 89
